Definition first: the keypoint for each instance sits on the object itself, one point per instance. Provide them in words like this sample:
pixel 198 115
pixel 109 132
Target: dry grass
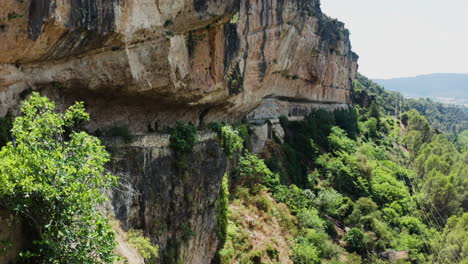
pixel 268 227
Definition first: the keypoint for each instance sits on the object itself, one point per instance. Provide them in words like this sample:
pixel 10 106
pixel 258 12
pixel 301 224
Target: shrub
pixel 255 256
pixel 143 244
pixel 231 140
pixel 338 141
pixel 293 197
pixel 282 213
pixel 386 188
pixel 272 252
pixel 413 224
pixel 222 210
pixel 310 219
pixel 183 138
pixel 371 128
pixel 328 201
pixel 353 259
pixel 374 111
pixel 263 202
pixel 344 174
pixel 354 240
pixel 305 253
pixel 254 173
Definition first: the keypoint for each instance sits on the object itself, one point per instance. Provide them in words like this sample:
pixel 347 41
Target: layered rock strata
pixel 145 64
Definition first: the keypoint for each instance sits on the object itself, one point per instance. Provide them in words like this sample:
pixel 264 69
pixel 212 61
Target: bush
pixel 338 141
pixel 305 254
pixel 183 138
pixel 263 202
pixel 310 219
pixel 222 210
pixel 286 220
pixel 231 140
pixel 413 224
pixel 254 173
pixel 353 259
pixel 374 111
pixel 272 252
pixel 344 174
pixel 143 244
pixel 293 196
pixel 329 201
pixel 354 240
pixel 371 128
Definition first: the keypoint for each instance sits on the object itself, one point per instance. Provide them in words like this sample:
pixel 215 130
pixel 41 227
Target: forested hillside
pixel 451 120
pixel 360 186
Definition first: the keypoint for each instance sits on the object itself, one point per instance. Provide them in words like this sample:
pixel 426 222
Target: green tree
pixel 254 173
pixel 339 141
pixel 354 240
pixel 374 111
pixel 453 245
pixel 55 180
pixel 329 202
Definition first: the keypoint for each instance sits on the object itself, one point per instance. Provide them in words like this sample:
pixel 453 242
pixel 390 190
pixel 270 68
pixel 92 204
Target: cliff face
pixel 145 64
pixel 172 199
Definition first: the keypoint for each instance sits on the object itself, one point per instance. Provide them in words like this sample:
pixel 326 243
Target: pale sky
pixel 402 38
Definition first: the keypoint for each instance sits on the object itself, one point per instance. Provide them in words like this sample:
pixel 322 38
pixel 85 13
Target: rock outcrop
pixel 172 199
pixel 145 64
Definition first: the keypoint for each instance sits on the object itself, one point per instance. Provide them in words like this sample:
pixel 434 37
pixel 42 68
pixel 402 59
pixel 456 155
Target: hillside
pixel 448 119
pixel 443 85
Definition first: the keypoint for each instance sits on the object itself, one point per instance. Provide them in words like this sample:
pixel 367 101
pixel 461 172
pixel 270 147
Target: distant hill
pixel 446 85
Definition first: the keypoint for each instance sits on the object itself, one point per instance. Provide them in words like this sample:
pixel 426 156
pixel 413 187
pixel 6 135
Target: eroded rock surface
pixel 172 198
pixel 192 60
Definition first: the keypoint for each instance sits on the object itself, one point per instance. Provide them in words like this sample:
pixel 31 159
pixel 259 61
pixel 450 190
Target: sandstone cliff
pixel 145 64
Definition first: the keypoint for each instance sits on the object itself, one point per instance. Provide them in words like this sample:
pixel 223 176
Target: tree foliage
pixel 183 138
pixel 231 140
pixel 54 177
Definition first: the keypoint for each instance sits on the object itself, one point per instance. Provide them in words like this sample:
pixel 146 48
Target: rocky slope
pixel 144 64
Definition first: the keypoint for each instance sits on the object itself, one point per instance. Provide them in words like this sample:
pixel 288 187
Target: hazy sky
pixel 400 38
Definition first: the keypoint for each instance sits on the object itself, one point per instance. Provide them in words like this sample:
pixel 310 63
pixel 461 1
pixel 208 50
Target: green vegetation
pixel 5 128
pixel 452 120
pixel 143 244
pixel 183 138
pixel 53 177
pixel 231 140
pixel 222 210
pixel 372 181
pixel 355 240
